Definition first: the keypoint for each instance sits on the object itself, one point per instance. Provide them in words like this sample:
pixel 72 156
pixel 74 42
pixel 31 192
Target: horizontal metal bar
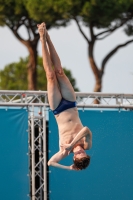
pixel 79 106
pixel 100 94
pixel 104 106
pixel 39 98
pixel 36 117
pixel 78 94
pixel 22 92
pixel 23 104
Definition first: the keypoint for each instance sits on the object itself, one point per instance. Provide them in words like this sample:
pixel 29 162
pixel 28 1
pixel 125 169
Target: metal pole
pixel 40 149
pixel 45 153
pixel 33 154
pixel 78 105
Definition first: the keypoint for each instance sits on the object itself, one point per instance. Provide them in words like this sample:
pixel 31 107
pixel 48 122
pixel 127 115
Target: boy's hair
pixel 82 163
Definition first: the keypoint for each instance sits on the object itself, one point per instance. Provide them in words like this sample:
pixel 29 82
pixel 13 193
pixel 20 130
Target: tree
pixel 14 14
pixel 14 76
pixel 107 16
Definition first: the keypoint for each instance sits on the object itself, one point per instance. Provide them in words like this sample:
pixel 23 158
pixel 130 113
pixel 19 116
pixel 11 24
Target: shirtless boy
pixel 74 138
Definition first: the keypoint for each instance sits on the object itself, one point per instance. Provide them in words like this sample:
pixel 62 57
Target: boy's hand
pixel 73 167
pixel 42 30
pixel 67 147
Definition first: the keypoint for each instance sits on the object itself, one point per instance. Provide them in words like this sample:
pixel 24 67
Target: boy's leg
pixel 66 88
pixel 54 95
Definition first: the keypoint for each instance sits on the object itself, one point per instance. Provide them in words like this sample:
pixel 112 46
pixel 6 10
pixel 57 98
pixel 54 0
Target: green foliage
pixel 11 11
pixel 14 76
pixel 100 13
pixel 14 14
pixel 46 11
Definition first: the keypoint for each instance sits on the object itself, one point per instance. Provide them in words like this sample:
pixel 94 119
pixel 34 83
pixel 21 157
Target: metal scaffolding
pixel 37 105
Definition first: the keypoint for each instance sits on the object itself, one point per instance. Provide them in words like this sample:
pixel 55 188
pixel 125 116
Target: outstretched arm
pixel 57 157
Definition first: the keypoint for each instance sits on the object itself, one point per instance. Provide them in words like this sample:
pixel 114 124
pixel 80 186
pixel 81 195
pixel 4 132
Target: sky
pixel 72 49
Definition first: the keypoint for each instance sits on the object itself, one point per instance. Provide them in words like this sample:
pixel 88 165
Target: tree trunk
pixel 98 88
pixel 97 73
pixel 98 85
pixel 32 71
pixel 31 45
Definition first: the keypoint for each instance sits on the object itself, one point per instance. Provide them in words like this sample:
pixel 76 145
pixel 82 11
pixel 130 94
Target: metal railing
pixel 39 98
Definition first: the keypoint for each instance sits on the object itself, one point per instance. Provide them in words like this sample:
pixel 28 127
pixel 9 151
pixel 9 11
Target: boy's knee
pixel 50 76
pixel 59 72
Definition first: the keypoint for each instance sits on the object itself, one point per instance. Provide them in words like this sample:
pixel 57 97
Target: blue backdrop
pixel 110 174
pixel 14 183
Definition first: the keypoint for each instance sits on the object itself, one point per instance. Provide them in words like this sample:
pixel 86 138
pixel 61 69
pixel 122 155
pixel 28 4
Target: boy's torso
pixel 69 125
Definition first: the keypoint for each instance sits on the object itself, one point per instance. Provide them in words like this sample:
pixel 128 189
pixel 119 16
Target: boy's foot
pixel 42 31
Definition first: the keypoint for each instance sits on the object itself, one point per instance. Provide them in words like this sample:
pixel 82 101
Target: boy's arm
pixel 57 157
pixel 88 140
pixel 83 133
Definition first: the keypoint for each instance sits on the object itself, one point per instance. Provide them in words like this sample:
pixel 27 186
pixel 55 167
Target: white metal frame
pixel 39 98
pixel 37 104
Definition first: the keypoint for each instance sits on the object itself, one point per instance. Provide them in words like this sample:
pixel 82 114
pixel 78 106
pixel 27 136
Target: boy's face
pixel 80 154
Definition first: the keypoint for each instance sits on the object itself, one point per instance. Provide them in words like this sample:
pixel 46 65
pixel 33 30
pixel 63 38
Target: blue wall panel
pixel 14 183
pixel 110 174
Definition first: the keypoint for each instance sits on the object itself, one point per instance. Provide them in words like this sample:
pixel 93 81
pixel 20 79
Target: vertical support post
pixel 45 153
pixel 33 153
pixel 40 149
pixel 117 102
pixel 121 99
